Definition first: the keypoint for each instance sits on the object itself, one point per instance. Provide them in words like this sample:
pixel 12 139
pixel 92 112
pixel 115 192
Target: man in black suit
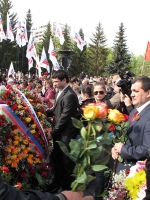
pixel 138 143
pixel 7 192
pixel 65 107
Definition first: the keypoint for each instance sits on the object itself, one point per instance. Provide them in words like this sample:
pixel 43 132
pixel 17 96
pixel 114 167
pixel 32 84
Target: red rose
pixel 112 127
pixel 126 117
pixel 5 169
pixel 8 102
pixel 43 165
pixel 36 136
pixel 23 175
pixel 44 174
pixel 19 185
pixel 33 171
pixel 14 127
pixel 30 166
pixel 8 135
pixel 41 142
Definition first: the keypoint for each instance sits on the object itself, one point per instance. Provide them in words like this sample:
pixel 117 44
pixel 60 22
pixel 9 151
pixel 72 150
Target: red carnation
pixel 23 175
pixel 36 136
pixel 8 135
pixel 14 107
pixel 30 166
pixel 5 169
pixel 112 127
pixel 44 174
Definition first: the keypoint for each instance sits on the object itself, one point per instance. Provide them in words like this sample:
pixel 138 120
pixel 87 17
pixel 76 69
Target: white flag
pixel 56 66
pixel 44 62
pixel 18 34
pixel 31 50
pixel 38 66
pixel 11 70
pixel 59 34
pixel 51 51
pixel 24 34
pixel 2 33
pixel 80 42
pixel 30 63
pixel 10 34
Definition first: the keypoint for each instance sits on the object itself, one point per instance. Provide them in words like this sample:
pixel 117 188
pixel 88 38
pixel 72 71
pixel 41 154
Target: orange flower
pixel 30 160
pixel 8 150
pixel 37 160
pixel 33 131
pixel 115 116
pixel 8 162
pixel 15 142
pixel 28 149
pixel 13 157
pixel 20 156
pixel 15 131
pixel 14 164
pixel 23 146
pixel 102 109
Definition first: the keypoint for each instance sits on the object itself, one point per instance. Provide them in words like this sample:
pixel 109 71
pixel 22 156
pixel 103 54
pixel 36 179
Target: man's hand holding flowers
pixel 116 150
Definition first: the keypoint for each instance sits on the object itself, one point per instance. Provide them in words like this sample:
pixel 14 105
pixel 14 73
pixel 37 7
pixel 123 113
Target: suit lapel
pixel 60 97
pixel 141 114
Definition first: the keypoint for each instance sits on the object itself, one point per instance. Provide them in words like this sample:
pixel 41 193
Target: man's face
pixel 59 84
pixel 139 96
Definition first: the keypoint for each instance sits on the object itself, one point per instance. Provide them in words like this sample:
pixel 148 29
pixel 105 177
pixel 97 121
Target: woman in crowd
pixel 76 88
pixel 49 94
pixel 100 93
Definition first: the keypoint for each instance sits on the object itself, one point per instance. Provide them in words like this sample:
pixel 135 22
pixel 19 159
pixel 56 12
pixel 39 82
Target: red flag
pixel 147 53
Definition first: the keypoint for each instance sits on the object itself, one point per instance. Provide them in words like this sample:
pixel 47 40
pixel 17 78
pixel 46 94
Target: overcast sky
pixel 86 14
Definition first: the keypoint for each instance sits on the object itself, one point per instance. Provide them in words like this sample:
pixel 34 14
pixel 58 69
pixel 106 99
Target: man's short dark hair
pixel 61 74
pixel 74 79
pixel 145 80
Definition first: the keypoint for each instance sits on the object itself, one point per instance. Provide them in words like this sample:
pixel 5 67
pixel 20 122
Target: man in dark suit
pixel 138 143
pixel 7 192
pixel 65 107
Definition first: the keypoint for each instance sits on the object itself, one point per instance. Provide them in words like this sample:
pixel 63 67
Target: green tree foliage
pixel 67 45
pixel 98 51
pixel 136 64
pixel 29 23
pixel 7 48
pixel 121 55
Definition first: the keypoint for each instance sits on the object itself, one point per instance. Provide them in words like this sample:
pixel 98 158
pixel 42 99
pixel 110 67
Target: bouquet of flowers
pixel 92 151
pixel 24 149
pixel 129 184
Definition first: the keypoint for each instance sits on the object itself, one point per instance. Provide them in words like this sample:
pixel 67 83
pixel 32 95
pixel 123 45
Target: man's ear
pixel 148 95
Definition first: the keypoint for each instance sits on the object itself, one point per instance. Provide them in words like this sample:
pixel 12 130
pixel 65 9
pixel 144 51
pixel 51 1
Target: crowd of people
pixel 65 99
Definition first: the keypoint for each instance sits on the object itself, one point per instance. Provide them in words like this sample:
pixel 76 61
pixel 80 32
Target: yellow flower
pixel 90 112
pixel 37 160
pixel 39 114
pixel 15 142
pixel 28 119
pixel 115 116
pixel 30 100
pixel 20 107
pixel 13 157
pixel 43 115
pixel 33 126
pixel 33 131
pixel 25 141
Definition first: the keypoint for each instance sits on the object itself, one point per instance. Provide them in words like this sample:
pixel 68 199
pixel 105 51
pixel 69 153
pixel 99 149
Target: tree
pixel 98 51
pixel 67 45
pixel 7 48
pixel 29 23
pixel 121 55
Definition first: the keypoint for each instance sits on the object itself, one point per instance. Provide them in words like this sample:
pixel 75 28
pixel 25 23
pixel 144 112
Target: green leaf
pixel 74 185
pixel 93 131
pixel 77 123
pixel 103 161
pixel 75 147
pixel 92 144
pixel 97 125
pixel 90 178
pixel 82 178
pixel 118 128
pixel 65 149
pixel 120 159
pixel 81 187
pixel 83 133
pixel 40 179
pixel 98 167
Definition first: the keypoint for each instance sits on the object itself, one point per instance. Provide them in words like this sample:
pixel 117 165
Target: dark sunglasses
pixel 100 92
